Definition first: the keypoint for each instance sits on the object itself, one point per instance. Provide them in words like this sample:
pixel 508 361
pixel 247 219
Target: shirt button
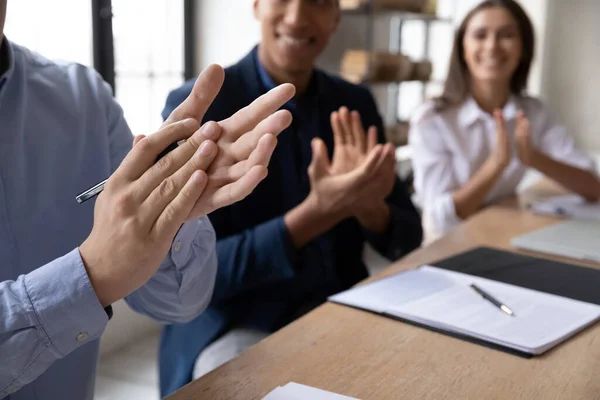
pixel 82 336
pixel 177 246
pixel 12 389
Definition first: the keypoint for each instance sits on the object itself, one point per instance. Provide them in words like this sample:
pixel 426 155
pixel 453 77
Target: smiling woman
pixel 505 24
pixel 473 145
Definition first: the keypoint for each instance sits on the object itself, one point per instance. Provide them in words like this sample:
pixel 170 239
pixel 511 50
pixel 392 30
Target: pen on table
pixel 492 300
pixel 99 187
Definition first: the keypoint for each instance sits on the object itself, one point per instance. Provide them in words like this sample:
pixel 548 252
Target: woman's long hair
pixel 457 85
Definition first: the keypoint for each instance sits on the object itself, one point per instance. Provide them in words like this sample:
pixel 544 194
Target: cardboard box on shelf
pixel 415 6
pixel 397 134
pixel 361 66
pixel 422 70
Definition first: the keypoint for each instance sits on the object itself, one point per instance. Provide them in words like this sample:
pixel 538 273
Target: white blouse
pixel 450 146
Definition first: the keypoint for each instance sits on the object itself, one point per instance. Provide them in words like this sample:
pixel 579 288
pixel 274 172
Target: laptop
pixel 578 239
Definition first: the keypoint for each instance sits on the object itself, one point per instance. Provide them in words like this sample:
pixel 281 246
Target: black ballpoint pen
pixel 492 300
pixel 99 187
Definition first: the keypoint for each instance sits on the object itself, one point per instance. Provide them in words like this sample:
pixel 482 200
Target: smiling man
pixel 299 237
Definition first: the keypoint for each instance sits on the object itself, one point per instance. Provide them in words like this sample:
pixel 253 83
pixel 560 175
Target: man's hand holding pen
pixel 144 203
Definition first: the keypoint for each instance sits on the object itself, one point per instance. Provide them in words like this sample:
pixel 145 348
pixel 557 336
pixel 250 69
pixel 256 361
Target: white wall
pixel 571 81
pixel 126 328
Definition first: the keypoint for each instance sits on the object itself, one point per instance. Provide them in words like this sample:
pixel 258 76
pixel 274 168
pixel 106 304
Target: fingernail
pixel 205 149
pixel 211 130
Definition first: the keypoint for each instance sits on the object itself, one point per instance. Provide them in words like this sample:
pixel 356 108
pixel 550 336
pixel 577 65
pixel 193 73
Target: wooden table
pixel 363 355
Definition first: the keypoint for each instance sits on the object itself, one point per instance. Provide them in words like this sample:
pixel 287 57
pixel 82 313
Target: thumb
pixel 205 90
pixel 522 129
pixel 319 164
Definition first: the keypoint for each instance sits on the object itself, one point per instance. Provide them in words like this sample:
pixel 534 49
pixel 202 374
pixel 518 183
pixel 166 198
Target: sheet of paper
pixel 443 299
pixel 570 206
pixel 281 394
pixel 296 391
pixel 380 295
pixel 540 319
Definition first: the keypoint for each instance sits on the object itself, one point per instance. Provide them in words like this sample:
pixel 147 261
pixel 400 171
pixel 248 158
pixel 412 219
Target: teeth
pixel 294 41
pixel 492 63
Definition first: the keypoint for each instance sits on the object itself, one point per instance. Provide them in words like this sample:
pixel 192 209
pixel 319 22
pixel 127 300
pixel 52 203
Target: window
pixel 50 30
pixel 146 49
pixel 149 58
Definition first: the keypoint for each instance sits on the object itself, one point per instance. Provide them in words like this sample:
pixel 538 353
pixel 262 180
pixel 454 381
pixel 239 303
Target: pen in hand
pixel 492 300
pixel 99 187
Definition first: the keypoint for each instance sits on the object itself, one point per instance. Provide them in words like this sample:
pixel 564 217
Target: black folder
pixel 561 279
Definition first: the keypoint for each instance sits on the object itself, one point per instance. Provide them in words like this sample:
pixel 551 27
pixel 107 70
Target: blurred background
pixel 144 49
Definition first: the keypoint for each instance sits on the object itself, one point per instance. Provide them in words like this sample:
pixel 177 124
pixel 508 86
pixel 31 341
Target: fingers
pixel 389 155
pixel 346 125
pixel 522 128
pixel 319 164
pixel 274 124
pixel 205 89
pixel 358 132
pixel 339 138
pixel 200 144
pixel 369 165
pixel 238 190
pixel 372 139
pixel 176 212
pixel 249 117
pixel 362 174
pixel 502 136
pixel 143 155
pixel 348 130
pixel 260 156
pixel 169 188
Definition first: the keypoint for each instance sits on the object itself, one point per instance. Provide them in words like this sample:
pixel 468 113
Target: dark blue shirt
pixel 263 282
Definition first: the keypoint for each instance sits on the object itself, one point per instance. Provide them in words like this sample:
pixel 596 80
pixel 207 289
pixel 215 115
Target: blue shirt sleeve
pixel 183 286
pixel 257 256
pixel 46 315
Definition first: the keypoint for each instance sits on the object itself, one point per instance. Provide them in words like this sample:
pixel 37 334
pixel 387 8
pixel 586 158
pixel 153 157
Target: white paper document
pixel 444 300
pixel 568 206
pixel 295 391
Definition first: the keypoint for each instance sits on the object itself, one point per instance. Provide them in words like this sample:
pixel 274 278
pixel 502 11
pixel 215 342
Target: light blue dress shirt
pixel 61 132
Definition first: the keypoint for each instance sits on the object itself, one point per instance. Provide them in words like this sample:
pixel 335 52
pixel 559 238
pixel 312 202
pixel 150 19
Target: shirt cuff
pixel 388 243
pixel 443 214
pixel 65 303
pixel 182 248
pixel 286 241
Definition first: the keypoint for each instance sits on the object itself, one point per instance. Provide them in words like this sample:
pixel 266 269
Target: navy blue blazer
pixel 262 281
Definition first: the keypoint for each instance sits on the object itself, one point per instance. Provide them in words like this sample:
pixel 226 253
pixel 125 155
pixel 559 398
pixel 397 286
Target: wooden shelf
pixel 383 83
pixel 404 15
pixel 362 67
pixel 397 134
